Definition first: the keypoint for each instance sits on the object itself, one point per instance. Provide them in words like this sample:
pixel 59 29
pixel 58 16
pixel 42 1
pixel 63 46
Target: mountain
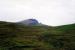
pixel 21 37
pixel 29 22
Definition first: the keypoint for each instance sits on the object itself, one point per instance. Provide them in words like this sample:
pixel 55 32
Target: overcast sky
pixel 50 12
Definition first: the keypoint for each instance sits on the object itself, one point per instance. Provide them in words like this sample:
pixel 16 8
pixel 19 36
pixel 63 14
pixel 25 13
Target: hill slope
pixel 21 37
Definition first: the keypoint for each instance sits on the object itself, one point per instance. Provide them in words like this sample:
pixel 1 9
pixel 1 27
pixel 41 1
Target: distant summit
pixel 29 22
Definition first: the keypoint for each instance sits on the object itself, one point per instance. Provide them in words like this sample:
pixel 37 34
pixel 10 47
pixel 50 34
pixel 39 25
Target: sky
pixel 49 12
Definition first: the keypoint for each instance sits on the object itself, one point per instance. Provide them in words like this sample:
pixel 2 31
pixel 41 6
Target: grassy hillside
pixel 21 37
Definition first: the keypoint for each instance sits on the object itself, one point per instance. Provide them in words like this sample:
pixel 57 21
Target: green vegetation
pixel 21 37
